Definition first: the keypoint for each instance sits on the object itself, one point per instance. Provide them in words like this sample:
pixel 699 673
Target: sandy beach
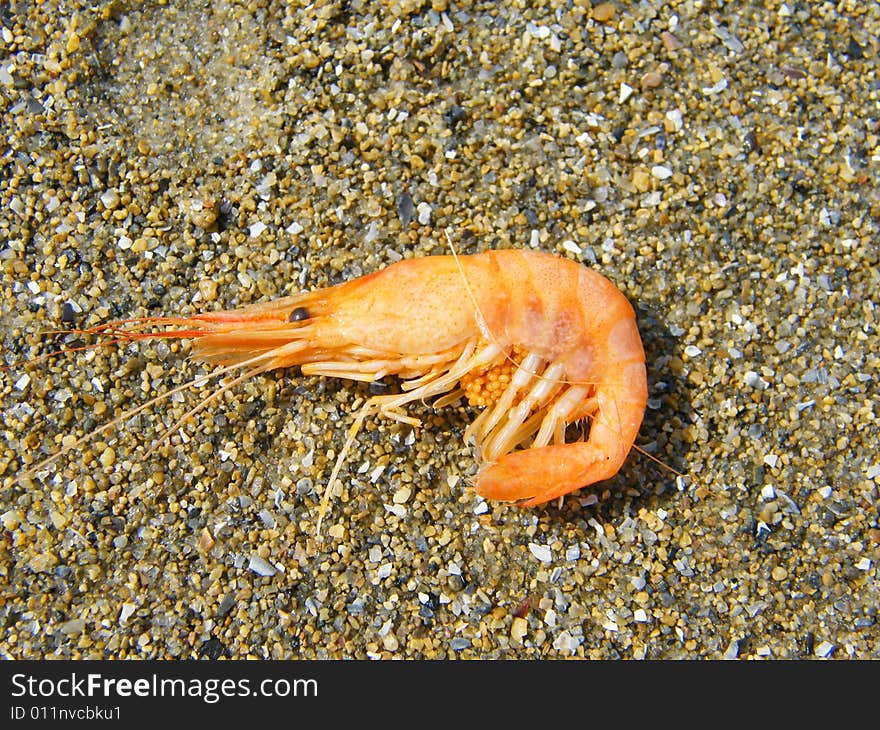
pixel 717 161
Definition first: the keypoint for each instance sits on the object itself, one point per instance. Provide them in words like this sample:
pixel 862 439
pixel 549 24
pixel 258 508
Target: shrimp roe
pixel 484 387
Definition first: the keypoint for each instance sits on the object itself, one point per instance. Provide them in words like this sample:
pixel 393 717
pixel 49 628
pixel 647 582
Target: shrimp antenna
pixel 119 336
pixel 657 461
pixel 481 320
pixel 64 351
pixel 204 403
pixel 139 409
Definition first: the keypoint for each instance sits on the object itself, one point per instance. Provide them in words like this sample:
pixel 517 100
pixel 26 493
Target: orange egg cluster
pixel 484 387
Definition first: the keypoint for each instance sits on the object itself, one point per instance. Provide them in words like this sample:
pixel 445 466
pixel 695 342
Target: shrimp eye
pixel 298 315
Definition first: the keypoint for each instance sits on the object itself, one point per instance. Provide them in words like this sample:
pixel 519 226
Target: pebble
pixel 641 180
pixel 675 120
pixel 74 626
pixel 604 12
pixel 201 213
pixel 10 520
pixel 110 199
pixel 619 60
pixel 670 42
pixel 108 458
pixel 405 208
pixel 651 79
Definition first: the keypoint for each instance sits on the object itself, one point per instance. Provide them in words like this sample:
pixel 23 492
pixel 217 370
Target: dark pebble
pixel 854 50
pixel 453 116
pixel 68 313
pixel 212 649
pixel 377 387
pixel 405 208
pixel 455 582
pixel 225 605
pixel 808 643
pixel 750 142
pixel 251 408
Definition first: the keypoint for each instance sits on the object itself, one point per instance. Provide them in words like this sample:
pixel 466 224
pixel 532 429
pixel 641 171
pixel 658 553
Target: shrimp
pixel 536 340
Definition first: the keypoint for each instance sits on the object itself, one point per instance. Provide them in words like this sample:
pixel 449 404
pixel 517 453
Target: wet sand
pixel 720 166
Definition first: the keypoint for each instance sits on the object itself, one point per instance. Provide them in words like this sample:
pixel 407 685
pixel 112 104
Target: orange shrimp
pixel 538 340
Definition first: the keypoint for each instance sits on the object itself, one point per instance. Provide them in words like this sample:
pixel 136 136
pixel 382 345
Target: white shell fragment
pixel 261 566
pixel 424 213
pixel 541 552
pixel 125 612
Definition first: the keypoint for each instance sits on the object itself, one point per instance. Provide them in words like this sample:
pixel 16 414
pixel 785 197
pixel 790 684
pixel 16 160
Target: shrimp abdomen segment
pixel 534 476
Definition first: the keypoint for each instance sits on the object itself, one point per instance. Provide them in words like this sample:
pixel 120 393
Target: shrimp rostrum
pixel 536 340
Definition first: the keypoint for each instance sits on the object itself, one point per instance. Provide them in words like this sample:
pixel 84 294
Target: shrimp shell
pixel 537 340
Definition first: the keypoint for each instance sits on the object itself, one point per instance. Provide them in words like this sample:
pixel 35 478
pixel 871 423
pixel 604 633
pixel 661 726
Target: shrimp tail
pixel 535 476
